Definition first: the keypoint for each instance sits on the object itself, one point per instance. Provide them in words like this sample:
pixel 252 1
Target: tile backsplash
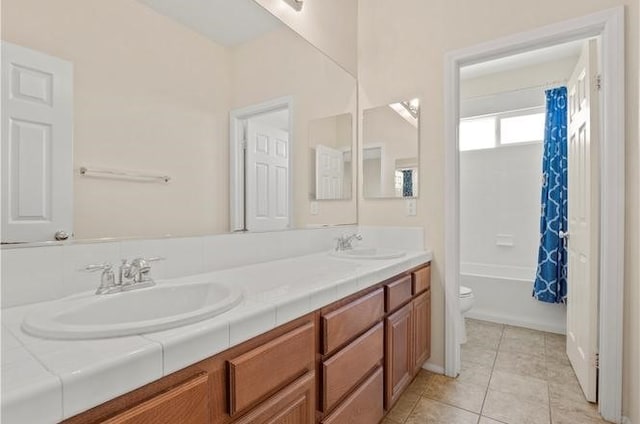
pixel 35 274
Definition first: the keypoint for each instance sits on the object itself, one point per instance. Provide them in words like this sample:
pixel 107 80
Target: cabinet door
pixel 187 403
pixel 399 353
pixel 295 404
pixel 422 330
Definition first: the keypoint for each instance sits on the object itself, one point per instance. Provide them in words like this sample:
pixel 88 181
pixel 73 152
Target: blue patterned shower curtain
pixel 551 277
pixel 407 183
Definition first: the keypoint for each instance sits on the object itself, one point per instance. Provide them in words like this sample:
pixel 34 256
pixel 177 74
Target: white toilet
pixel 467 300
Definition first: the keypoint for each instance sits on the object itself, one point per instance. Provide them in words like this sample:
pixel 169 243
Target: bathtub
pixel 503 295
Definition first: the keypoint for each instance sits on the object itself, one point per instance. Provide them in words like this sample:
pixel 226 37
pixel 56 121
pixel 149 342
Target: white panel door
pixel 582 303
pixel 329 173
pixel 37 156
pixel 267 184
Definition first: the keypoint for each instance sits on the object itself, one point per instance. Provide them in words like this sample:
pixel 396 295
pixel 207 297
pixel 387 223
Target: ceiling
pixel 227 22
pixel 523 60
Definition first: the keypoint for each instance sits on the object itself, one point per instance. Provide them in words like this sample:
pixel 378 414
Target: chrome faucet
pixel 132 275
pixel 107 279
pixel 345 242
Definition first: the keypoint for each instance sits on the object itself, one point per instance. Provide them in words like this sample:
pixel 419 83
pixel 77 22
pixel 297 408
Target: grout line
pixel 420 396
pixel 493 367
pixel 546 373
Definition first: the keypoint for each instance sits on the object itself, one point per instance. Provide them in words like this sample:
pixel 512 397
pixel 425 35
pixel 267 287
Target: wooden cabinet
pixel 363 406
pixel 344 370
pixel 353 347
pixel 421 318
pixel 349 320
pixel 269 367
pixel 295 404
pixel 399 363
pixel 344 363
pixel 421 279
pixel 407 336
pixel 398 292
pixel 187 403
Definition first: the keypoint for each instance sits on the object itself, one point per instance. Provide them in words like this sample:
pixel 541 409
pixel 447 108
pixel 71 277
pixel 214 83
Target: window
pixel 478 133
pixel 487 132
pixel 522 128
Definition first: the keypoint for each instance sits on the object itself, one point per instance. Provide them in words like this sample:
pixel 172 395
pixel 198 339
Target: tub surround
pixel 62 375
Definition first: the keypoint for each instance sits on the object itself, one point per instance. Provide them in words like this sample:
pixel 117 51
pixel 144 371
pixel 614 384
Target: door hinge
pixel 596 360
pixel 599 82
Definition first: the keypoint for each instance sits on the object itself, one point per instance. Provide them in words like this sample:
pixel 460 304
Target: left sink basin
pixel 166 305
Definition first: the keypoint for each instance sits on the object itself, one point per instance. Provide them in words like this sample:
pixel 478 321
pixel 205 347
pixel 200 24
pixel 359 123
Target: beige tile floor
pixel 509 375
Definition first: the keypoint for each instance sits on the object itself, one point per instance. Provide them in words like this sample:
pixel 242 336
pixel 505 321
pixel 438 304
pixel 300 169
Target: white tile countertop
pixel 45 381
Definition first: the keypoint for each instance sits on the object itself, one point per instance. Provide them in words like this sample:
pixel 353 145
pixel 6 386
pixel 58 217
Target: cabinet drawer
pixel 293 404
pixel 186 403
pixel 398 292
pixel 269 367
pixel 364 406
pixel 421 279
pixel 345 323
pixel 350 365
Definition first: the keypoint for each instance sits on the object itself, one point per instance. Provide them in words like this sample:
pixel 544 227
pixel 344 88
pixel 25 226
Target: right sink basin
pixel 369 253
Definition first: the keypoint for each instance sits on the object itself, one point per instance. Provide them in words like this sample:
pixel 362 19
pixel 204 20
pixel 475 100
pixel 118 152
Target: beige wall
pixel 330 25
pixel 139 104
pixel 401 54
pixel 529 76
pixel 320 89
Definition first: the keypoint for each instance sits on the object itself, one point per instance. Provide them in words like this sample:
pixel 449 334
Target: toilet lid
pixel 465 291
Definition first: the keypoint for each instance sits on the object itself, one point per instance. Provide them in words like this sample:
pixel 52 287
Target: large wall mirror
pixel 390 150
pixel 147 118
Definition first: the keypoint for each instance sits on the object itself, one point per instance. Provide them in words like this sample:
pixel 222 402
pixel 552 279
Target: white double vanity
pixel 144 334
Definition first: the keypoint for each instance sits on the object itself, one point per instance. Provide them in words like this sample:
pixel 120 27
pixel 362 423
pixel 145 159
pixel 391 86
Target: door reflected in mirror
pixel 390 162
pixel 330 144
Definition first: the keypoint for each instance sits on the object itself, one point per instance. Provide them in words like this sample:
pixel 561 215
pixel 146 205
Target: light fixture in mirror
pixel 147 88
pixel 390 164
pixel 332 170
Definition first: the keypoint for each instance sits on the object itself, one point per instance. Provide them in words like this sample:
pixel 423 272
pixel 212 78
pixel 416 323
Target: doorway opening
pixel 607 175
pixel 260 165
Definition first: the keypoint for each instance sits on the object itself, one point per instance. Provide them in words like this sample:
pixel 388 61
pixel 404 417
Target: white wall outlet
pixel 314 208
pixel 411 207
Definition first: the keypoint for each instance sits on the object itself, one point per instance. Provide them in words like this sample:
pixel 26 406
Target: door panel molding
pixel 37 145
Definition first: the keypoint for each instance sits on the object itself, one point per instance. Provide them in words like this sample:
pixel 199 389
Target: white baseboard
pixel 434 368
pixel 509 320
